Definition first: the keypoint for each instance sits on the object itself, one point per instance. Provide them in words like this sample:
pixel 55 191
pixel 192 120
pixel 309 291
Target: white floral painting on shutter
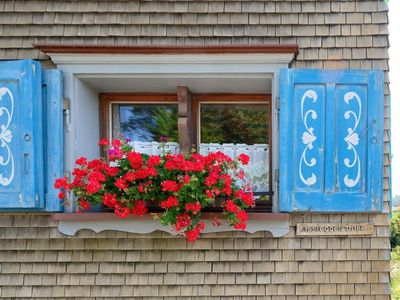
pixel 308 138
pixel 6 158
pixel 352 139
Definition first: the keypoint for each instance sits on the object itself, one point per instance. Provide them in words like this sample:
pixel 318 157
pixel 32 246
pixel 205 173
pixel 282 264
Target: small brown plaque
pixel 334 229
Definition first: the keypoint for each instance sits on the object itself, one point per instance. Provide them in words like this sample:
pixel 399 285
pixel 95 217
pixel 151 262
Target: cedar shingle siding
pixel 37 261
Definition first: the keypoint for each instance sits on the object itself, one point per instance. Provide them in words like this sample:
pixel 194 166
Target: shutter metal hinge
pixel 277 103
pixel 37 200
pixel 66 104
pixel 276 175
pixel 67 115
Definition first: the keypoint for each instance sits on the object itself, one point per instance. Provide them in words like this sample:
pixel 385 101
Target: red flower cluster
pixel 182 186
pixel 244 159
pixel 171 201
pixel 193 207
pixel 170 186
pixel 139 208
pixel 194 233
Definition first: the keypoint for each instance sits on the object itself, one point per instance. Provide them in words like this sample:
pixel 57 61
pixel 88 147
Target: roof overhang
pixel 70 54
pixel 170 49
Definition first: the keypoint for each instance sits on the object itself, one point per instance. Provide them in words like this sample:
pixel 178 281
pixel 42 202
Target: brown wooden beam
pixel 185 128
pixel 167 49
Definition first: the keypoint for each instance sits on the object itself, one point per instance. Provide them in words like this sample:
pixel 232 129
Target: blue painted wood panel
pixel 52 88
pixel 21 140
pixel 331 140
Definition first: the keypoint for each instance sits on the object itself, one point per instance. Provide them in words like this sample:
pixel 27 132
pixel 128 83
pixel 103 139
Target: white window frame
pixel 78 69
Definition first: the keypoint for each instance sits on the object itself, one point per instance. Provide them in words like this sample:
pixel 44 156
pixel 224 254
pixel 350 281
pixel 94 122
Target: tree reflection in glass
pixel 234 123
pixel 146 122
pixel 235 129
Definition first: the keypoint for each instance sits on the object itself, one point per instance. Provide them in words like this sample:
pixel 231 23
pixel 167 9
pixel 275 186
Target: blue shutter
pixel 53 133
pixel 331 140
pixel 21 141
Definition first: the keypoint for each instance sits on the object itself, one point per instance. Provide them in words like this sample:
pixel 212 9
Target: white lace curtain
pixel 257 170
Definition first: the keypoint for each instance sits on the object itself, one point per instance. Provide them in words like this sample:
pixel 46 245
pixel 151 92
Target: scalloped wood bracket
pixel 276 224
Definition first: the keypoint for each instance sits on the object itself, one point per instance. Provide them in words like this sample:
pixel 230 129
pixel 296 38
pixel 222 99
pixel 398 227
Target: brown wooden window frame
pixel 189 119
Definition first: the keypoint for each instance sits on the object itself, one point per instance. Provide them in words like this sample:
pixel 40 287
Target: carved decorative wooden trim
pixel 276 228
pixel 168 49
pixel 70 224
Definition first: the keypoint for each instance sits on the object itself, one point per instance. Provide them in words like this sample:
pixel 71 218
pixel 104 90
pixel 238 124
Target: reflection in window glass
pixel 151 128
pixel 239 128
pixel 146 122
pixel 234 123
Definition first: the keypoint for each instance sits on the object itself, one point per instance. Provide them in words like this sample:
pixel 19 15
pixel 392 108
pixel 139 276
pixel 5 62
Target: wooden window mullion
pixel 185 121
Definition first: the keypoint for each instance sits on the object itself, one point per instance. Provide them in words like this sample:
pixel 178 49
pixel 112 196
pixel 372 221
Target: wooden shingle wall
pixel 37 261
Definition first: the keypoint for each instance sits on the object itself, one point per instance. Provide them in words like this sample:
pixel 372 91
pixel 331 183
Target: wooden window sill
pixel 70 223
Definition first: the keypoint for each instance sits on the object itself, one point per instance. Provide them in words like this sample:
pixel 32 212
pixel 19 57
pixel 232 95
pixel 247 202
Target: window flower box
pixel 129 182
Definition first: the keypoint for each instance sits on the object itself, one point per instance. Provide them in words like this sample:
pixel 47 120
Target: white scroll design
pixel 352 139
pixel 308 138
pixel 6 136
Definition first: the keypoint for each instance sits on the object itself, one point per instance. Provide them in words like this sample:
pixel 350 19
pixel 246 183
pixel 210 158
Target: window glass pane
pixel 146 125
pixel 235 129
pixel 234 123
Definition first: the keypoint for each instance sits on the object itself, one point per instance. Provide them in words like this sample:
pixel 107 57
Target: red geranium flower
pixel 193 234
pixel 139 209
pixel 182 221
pixel 135 159
pixel 61 183
pixel 116 143
pixel 230 206
pixel 83 204
pixel 244 159
pixel 93 186
pixel 186 179
pixel 171 201
pixel 81 161
pixel 103 142
pixel 110 200
pixel 112 171
pixel 170 185
pixel 121 184
pixel 193 207
pixel 242 216
pixel 121 212
pixel 153 161
pixel 240 226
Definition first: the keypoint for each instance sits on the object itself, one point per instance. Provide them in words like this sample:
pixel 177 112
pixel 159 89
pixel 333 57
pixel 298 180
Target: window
pixel 230 123
pixel 89 72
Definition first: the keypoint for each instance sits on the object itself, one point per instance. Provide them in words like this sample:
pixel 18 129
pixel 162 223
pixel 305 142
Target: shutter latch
pixel 371 123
